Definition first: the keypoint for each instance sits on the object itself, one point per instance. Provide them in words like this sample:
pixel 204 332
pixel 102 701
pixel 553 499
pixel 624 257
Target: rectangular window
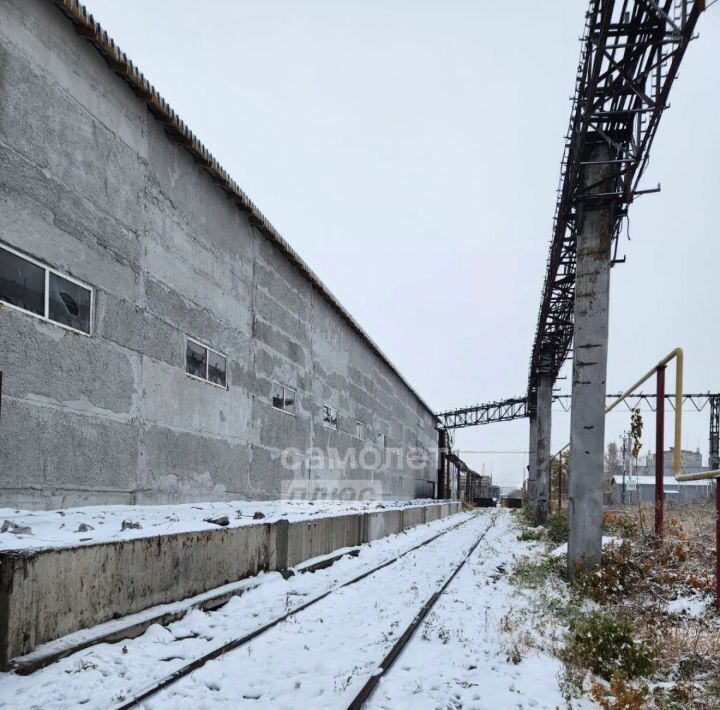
pixel 205 363
pixel 359 430
pixel 380 439
pixel 330 417
pixel 283 398
pixel 35 288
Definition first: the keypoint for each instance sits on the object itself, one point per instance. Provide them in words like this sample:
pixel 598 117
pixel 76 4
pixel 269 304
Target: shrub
pixel 621 572
pixel 532 574
pixel 606 646
pixel 620 695
pixel 618 523
pixel 528 534
pixel 557 528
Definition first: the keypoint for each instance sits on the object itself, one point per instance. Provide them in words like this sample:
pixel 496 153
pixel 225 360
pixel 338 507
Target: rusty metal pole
pixel 717 544
pixel 659 449
pixel 442 447
pixel 448 481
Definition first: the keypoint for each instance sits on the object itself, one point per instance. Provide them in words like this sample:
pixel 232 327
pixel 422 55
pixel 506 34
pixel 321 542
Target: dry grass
pixel 639 579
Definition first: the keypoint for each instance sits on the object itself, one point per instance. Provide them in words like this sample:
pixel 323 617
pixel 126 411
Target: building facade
pixel 159 341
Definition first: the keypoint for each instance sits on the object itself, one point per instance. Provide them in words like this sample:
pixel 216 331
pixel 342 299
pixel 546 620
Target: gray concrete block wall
pixel 91 185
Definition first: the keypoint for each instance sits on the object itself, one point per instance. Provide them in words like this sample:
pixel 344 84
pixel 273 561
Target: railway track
pixel 367 690
pixel 225 648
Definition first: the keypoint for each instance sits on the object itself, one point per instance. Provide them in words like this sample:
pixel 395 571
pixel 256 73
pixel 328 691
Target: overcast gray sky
pixel 409 150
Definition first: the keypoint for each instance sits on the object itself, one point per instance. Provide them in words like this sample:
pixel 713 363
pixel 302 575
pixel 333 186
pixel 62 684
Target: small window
pixel 359 430
pixel 283 398
pixel 205 363
pixel 330 417
pixel 38 289
pixel 380 440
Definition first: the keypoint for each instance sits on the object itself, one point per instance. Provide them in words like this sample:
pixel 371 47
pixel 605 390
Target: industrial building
pixel 161 342
pixel 642 489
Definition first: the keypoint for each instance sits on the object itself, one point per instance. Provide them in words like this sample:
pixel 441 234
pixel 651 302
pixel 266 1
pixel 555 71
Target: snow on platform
pixel 88 525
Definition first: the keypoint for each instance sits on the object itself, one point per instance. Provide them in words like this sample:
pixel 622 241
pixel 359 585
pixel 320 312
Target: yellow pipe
pixel 677 353
pixel 677 453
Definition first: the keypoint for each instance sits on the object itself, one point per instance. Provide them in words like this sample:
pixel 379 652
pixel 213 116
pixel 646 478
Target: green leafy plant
pixel 557 527
pixel 607 647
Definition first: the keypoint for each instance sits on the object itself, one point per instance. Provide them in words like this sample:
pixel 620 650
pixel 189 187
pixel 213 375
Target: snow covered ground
pixel 461 656
pixel 92 524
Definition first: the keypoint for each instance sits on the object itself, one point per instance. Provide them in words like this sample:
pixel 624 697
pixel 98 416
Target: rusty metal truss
pixel 631 52
pixel 503 411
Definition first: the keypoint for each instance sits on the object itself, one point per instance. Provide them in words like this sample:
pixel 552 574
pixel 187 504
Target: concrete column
pixel 532 463
pixel 542 448
pixel 587 420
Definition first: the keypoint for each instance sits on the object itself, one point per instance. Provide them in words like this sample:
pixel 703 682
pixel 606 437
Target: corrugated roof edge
pixel 178 131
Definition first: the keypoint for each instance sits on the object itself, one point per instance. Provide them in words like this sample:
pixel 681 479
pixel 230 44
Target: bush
pixel 557 528
pixel 621 572
pixel 528 534
pixel 618 523
pixel 619 696
pixel 606 646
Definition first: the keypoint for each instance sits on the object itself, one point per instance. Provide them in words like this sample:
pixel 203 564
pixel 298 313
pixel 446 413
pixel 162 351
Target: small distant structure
pixel 639 479
pixel 691 463
pixel 642 488
pixel 511 497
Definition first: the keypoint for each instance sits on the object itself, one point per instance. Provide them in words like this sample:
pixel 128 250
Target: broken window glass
pixel 196 360
pixel 69 303
pixel 330 417
pixel 22 283
pixel 217 368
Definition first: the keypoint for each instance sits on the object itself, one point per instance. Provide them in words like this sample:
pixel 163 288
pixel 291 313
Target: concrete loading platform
pixel 50 593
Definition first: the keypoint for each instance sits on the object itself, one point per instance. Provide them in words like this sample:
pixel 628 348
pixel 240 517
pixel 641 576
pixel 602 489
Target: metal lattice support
pixel 631 52
pixel 714 461
pixel 503 411
pixel 517 408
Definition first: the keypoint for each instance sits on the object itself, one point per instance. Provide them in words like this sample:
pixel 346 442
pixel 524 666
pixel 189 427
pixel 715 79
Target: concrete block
pixel 46 594
pixel 312 538
pixel 183 466
pixel 48 363
pixel 412 517
pixel 383 523
pixel 44 447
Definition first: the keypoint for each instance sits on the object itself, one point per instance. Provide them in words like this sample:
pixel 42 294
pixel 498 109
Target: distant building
pixel 643 488
pixel 691 463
